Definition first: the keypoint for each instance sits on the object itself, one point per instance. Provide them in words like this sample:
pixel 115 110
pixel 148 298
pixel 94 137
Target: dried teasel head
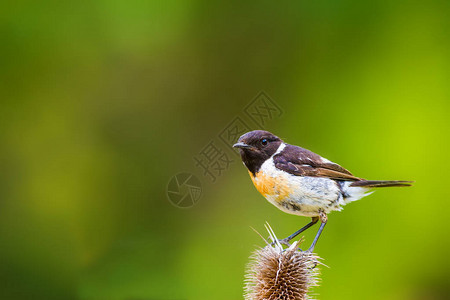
pixel 282 274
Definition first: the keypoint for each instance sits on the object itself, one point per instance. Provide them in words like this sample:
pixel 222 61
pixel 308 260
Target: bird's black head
pixel 256 147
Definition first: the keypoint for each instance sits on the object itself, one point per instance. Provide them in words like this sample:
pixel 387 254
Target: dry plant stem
pixel 277 273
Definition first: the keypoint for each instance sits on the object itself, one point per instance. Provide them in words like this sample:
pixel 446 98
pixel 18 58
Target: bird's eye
pixel 264 142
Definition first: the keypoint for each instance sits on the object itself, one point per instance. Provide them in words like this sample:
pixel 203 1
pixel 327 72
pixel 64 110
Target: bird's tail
pixel 381 183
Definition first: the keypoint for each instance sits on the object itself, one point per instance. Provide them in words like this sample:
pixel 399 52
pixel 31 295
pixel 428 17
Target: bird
pixel 301 182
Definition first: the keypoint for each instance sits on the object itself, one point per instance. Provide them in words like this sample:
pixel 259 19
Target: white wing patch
pixel 326 161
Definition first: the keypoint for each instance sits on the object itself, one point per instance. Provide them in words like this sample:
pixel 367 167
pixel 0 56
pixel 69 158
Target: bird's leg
pixel 289 238
pixel 323 219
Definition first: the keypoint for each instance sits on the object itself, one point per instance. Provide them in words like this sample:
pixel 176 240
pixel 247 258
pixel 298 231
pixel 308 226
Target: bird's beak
pixel 242 145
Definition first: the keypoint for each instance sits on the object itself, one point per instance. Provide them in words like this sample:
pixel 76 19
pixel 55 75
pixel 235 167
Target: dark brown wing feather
pixel 381 183
pixel 302 162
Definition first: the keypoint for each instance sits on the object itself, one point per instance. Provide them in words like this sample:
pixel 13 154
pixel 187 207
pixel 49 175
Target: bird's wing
pixel 302 162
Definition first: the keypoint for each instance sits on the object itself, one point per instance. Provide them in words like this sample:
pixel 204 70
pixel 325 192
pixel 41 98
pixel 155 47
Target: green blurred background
pixel 104 101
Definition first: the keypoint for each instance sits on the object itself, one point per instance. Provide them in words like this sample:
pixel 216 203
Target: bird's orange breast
pixel 271 186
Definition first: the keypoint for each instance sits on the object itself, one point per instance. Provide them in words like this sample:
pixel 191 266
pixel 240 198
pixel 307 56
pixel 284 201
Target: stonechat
pixel 301 182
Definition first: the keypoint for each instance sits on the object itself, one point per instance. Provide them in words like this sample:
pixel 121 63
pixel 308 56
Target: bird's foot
pixel 284 242
pixel 310 250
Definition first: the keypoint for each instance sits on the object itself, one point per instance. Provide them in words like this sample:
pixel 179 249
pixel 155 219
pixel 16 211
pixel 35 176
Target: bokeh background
pixel 102 102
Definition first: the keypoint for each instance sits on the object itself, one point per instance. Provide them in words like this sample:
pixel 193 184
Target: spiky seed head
pixel 275 273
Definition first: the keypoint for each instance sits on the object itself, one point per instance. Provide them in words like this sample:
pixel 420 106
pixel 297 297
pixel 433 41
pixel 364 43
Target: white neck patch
pixel 280 148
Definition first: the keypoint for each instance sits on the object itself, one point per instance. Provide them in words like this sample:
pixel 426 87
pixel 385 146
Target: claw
pixel 285 242
pixel 310 250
